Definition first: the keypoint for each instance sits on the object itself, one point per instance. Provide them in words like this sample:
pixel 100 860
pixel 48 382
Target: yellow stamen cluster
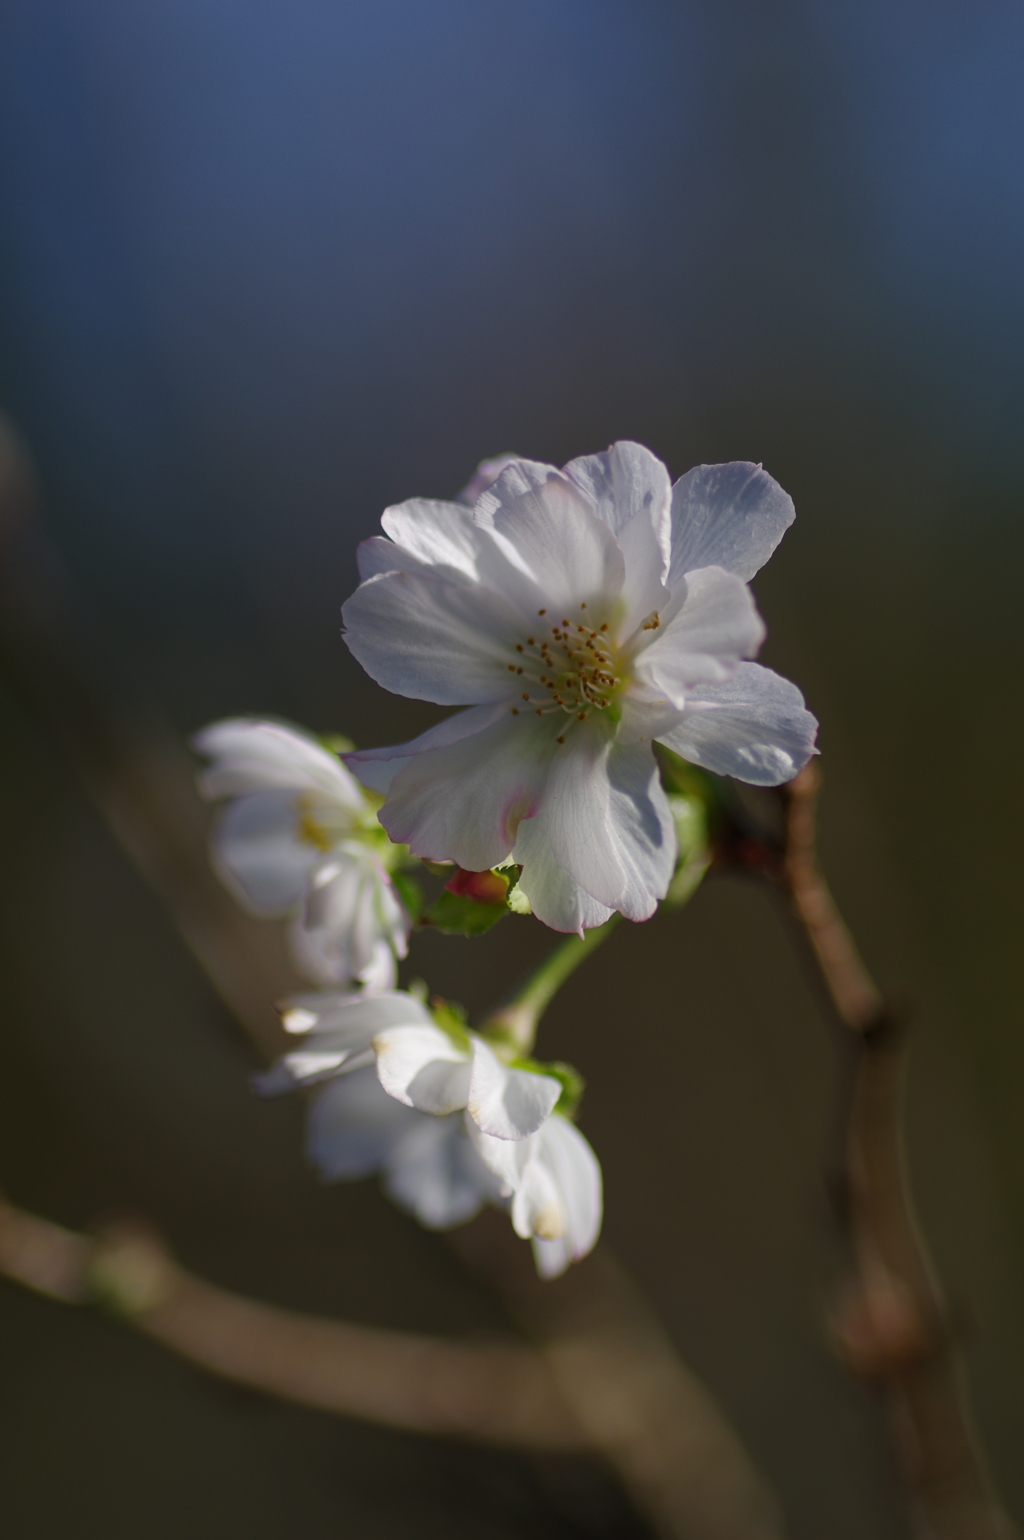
pixel 572 670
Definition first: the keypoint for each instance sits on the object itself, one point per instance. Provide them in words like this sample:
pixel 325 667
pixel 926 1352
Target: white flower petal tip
pixel 299 837
pixel 581 615
pixel 508 1103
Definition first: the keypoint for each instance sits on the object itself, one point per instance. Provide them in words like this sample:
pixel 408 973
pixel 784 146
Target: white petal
pixel 308 1066
pixel 730 516
pixel 714 626
pixel 423 1068
pixel 577 1176
pixel 555 897
pixel 505 1159
pixel 377 768
pixel 631 493
pixel 558 538
pixel 352 921
pixel 359 1015
pixel 250 755
pixel 487 473
pixel 552 1257
pixel 507 1103
pixel 513 481
pixel 605 821
pixel 258 853
pixel 353 1126
pixel 423 636
pixel 536 1204
pixel 754 727
pixel 464 802
pixel 435 1174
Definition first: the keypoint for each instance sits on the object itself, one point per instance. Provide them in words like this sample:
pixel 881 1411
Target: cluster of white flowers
pixel 449 1123
pixel 582 616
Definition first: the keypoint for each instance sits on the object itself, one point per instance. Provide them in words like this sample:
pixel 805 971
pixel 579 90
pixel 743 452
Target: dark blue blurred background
pixel 267 268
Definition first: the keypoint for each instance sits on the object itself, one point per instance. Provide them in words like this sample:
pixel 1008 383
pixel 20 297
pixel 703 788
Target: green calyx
pixel 569 1079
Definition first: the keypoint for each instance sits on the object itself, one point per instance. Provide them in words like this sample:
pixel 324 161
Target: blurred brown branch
pixel 893 1326
pixel 492 1394
pixel 614 1385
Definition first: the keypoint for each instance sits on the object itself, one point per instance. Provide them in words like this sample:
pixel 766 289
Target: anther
pixel 515 711
pixel 560 738
pixel 519 671
pixel 529 641
pixel 519 646
pixel 604 625
pixel 511 668
pixel 542 612
pixel 538 711
pixel 583 605
pixel 525 696
pixel 581 716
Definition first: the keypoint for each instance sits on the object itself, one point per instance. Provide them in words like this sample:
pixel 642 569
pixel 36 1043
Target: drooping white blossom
pixel 449 1124
pixel 582 615
pixel 428 1164
pixel 298 835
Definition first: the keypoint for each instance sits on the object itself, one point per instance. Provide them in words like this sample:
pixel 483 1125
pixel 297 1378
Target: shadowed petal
pixel 508 1103
pixel 605 822
pixel 754 727
pixel 423 1068
pixel 463 802
pixel 714 626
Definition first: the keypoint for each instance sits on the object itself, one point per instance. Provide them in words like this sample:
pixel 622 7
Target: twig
pixel 492 1394
pixel 893 1326
pixel 678 1457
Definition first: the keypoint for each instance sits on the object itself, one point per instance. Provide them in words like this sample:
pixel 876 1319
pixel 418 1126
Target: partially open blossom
pixel 298 835
pixel 461 1127
pixel 582 615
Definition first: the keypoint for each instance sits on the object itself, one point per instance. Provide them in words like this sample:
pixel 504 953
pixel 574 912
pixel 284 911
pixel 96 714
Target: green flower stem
pixel 515 1025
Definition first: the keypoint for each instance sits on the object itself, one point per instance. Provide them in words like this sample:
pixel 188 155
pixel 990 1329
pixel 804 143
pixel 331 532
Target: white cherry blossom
pixel 298 835
pixel 448 1124
pixel 582 615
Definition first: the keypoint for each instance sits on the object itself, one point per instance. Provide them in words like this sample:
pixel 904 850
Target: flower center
pixel 569 667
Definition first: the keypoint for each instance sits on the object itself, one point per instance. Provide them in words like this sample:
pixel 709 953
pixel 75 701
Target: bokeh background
pixel 267 268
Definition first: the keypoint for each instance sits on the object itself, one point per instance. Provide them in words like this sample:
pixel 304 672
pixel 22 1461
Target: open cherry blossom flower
pixel 428 1164
pixel 554 1181
pixel 582 615
pixel 298 835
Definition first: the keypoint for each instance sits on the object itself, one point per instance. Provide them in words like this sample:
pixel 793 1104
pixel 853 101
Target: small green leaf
pixel 456 914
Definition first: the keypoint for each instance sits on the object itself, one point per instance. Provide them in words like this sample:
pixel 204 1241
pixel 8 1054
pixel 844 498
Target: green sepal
pixel 569 1078
pixel 459 915
pixel 690 816
pixel 410 893
pixel 335 743
pixel 451 1018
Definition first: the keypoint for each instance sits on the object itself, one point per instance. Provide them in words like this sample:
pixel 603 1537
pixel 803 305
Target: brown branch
pixel 493 1394
pixel 893 1325
pixel 658 1426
